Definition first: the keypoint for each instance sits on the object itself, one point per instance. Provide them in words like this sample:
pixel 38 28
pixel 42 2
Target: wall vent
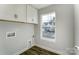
pixel 11 34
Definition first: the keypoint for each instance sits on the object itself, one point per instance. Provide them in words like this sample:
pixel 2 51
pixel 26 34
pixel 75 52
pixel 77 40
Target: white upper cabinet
pixel 7 12
pixel 18 12
pixel 13 12
pixel 32 16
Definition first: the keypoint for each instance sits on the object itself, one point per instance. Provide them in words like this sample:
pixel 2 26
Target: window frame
pixel 47 39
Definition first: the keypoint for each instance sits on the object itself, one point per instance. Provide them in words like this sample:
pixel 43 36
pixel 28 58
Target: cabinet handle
pixel 15 16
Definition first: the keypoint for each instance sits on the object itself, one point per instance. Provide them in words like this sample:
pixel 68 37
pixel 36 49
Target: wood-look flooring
pixel 37 51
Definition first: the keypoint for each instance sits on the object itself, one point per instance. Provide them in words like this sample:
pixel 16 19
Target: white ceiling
pixel 39 6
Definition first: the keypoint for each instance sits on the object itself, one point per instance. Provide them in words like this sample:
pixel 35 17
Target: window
pixel 48 26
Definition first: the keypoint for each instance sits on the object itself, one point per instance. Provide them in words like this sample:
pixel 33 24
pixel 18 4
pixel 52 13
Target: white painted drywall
pixel 76 9
pixel 64 28
pixel 64 32
pixel 24 32
pixel 2 38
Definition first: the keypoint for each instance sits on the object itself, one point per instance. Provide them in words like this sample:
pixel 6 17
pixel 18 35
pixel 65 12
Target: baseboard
pixel 21 51
pixel 52 50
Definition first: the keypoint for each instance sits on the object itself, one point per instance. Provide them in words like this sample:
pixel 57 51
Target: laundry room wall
pixel 64 29
pixel 19 42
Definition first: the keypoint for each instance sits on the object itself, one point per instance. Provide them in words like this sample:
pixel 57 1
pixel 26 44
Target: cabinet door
pixel 35 16
pixel 20 12
pixel 31 15
pixel 7 12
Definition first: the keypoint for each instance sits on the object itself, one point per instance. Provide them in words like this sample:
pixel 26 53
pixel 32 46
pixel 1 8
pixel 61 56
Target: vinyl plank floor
pixel 38 51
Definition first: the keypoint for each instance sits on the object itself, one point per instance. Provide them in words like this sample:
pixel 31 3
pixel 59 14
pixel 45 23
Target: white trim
pixel 49 49
pixel 53 40
pixel 21 51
